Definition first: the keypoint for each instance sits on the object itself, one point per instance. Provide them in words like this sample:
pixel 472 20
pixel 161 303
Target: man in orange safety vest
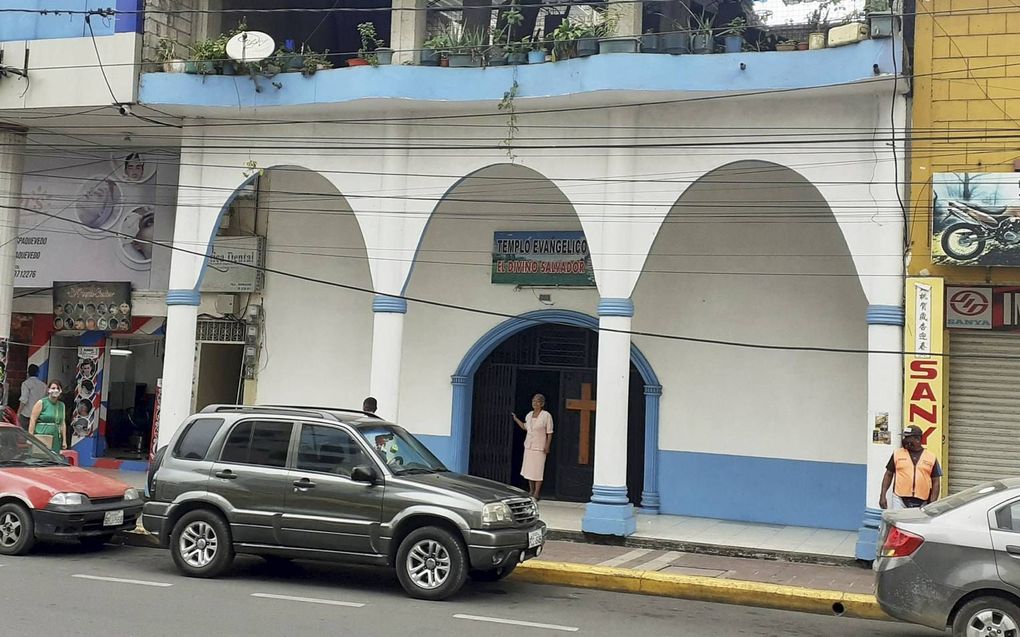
pixel 913 472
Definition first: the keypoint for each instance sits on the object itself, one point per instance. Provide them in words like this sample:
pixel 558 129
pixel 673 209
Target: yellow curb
pixel 705 589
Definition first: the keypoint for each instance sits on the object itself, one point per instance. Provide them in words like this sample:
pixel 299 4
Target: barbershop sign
pixel 542 258
pixel 983 308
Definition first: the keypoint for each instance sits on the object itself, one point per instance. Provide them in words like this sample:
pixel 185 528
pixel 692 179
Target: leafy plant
pixel 737 26
pixel 166 50
pixel 439 42
pixel 818 20
pixel 315 61
pixel 369 43
pixel 471 43
pixel 703 23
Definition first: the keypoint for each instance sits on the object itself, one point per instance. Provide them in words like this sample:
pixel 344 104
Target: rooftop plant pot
pixel 651 43
pixel 676 43
pixel 786 46
pixel 536 57
pixel 229 68
pixel 384 56
pixel 733 43
pixel 701 43
pixel 429 57
pixel 176 66
pixel 206 67
pixel 587 47
pixel 802 46
pixel 519 57
pixel 816 40
pixel 357 62
pixel 191 67
pixel 463 60
pixel 618 45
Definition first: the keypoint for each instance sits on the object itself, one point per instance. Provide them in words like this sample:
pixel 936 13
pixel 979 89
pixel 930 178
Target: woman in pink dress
pixel 539 425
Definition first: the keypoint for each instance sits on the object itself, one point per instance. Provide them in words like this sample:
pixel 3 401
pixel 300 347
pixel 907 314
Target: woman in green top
pixel 48 417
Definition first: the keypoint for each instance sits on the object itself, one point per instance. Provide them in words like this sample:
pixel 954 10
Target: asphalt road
pixel 60 590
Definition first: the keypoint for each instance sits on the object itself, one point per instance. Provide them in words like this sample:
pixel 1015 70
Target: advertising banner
pixel 88 390
pixel 90 219
pixel 976 219
pixel 983 308
pixel 105 307
pixel 924 367
pixel 542 258
pixel 228 270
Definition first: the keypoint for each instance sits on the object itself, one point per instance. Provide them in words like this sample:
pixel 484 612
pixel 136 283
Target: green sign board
pixel 542 258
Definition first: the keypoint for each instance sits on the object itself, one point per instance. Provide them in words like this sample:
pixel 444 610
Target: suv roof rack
pixel 326 413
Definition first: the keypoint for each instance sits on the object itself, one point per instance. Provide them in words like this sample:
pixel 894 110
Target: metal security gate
pixel 984 408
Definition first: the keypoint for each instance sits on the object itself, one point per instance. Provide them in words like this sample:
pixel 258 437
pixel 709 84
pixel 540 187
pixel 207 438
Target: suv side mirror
pixel 364 473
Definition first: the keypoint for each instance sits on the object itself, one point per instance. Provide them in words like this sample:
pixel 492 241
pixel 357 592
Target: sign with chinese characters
pixel 542 258
pixel 976 219
pixel 92 307
pixel 924 367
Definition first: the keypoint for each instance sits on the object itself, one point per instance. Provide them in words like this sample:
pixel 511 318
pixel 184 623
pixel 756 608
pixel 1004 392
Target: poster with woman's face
pixel 96 220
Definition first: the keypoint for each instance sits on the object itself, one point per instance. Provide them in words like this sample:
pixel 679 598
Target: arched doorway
pixel 560 362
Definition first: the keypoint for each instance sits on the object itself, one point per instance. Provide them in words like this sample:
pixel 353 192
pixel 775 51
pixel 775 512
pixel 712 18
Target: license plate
pixel 534 538
pixel 113 518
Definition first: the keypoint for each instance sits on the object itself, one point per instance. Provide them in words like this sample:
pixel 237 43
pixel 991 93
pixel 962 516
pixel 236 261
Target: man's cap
pixel 912 430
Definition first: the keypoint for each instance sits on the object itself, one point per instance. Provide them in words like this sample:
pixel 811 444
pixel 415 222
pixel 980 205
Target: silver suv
pixel 331 484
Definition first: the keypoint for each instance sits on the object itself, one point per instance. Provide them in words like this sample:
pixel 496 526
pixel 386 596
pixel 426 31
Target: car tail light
pixel 899 543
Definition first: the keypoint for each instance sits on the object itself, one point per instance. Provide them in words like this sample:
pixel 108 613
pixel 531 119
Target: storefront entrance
pixel 559 362
pixel 135 364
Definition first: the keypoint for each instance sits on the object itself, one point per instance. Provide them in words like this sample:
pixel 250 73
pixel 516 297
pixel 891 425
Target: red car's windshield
pixel 18 449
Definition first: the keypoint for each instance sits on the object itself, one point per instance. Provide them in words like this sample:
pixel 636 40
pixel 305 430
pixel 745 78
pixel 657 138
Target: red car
pixel 43 498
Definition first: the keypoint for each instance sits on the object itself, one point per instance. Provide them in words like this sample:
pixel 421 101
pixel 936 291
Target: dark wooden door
pixel 492 429
pixel 575 436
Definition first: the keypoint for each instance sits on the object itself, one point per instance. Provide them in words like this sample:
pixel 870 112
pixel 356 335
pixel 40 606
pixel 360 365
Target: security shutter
pixel 984 408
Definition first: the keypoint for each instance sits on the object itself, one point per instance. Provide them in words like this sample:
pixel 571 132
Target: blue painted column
pixel 650 491
pixel 610 512
pixel 885 396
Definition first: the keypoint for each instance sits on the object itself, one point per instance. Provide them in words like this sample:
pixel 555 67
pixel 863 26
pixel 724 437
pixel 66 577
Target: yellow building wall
pixel 966 93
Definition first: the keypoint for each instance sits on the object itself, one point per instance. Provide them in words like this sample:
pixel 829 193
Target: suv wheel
pixel 201 544
pixel 987 616
pixel 17 530
pixel 495 574
pixel 431 563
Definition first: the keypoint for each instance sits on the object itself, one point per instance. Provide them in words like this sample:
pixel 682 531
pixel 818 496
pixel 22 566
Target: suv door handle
pixel 1012 549
pixel 226 474
pixel 304 483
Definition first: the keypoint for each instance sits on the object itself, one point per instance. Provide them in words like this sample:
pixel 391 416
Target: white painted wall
pixel 317 339
pixel 66 73
pixel 453 266
pixel 735 226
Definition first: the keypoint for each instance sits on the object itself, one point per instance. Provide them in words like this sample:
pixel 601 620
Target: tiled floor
pixel 566 516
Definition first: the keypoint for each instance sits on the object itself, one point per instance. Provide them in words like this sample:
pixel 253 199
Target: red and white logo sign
pixel 969 307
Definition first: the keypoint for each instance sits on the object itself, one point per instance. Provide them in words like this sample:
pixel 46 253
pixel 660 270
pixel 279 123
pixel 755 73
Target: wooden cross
pixel 586 406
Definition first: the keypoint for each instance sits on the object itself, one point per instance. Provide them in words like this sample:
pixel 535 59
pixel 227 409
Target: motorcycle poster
pixel 976 219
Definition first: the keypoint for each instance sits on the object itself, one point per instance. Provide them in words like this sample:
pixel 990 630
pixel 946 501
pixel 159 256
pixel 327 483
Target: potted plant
pixel 312 62
pixel 677 41
pixel 434 49
pixel 818 23
pixel 703 38
pixel 651 42
pixel 733 35
pixel 786 45
pixel 537 53
pixel 467 49
pixel 567 38
pixel 167 54
pixel 204 56
pixel 372 50
pixel 517 52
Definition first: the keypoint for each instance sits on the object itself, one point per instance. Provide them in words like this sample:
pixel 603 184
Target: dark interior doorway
pixel 559 362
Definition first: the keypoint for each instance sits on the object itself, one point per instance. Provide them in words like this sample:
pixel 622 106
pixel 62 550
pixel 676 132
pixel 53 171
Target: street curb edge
pixel 705 589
